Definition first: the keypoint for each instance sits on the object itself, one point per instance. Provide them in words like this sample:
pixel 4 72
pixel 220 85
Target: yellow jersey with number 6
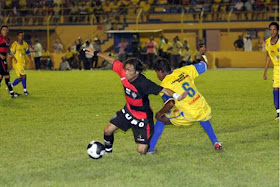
pixel 194 107
pixel 273 52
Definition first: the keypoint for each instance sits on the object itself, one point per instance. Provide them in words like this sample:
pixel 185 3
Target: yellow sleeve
pixel 26 47
pixel 266 44
pixel 14 47
pixel 191 71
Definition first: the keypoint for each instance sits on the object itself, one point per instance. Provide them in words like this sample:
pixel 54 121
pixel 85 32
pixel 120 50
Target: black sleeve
pixel 149 87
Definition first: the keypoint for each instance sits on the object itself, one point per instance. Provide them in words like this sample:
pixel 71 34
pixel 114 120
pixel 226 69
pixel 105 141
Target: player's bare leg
pixel 109 137
pixel 142 148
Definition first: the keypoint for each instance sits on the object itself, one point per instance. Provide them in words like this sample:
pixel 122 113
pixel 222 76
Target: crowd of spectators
pixel 177 52
pixel 74 11
pixel 76 57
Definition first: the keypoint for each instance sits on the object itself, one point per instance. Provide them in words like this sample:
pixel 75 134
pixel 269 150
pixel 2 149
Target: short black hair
pixel 20 32
pixel 275 24
pixel 138 65
pixel 4 26
pixel 161 64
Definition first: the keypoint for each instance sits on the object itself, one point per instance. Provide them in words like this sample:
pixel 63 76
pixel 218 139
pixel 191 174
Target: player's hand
pixel 2 57
pixel 183 96
pixel 265 76
pixel 89 51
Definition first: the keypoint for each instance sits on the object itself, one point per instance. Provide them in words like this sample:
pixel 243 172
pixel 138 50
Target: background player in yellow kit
pixel 272 48
pixel 193 108
pixel 20 50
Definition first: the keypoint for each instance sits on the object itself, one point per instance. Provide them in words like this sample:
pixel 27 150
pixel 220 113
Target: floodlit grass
pixel 43 136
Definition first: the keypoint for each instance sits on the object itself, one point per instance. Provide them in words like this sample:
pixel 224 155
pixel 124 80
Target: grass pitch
pixel 44 136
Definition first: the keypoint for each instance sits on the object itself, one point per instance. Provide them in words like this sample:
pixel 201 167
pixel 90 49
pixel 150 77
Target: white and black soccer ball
pixel 95 149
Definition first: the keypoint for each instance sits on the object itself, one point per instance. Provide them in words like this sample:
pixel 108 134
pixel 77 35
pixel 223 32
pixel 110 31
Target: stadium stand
pixel 190 20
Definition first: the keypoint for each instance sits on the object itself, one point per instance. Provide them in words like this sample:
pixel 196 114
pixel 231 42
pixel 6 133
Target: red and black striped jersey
pixel 137 92
pixel 4 45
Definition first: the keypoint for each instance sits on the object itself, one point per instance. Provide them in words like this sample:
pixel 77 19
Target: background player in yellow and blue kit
pixel 272 48
pixel 20 50
pixel 193 108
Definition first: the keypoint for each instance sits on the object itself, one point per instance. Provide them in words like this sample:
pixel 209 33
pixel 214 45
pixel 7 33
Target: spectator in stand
pixel 64 65
pixel 146 9
pixel 134 4
pixel 151 52
pixel 238 8
pixel 122 49
pixel 176 52
pixel 215 13
pixel 223 11
pixel 83 12
pixel 57 47
pixel 37 54
pixel 239 44
pixel 107 9
pixel 259 9
pixel 248 10
pixel 88 57
pixel 115 10
pixel 98 11
pixel 123 9
pixel 97 46
pixel 74 11
pixel 56 13
pixel 247 43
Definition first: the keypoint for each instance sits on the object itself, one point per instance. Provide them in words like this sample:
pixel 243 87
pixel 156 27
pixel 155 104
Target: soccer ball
pixel 95 149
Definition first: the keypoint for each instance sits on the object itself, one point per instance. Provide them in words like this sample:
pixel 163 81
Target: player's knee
pixel 142 149
pixel 108 130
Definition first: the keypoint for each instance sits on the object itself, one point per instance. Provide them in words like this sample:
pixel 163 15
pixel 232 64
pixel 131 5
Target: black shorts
pixel 4 68
pixel 142 129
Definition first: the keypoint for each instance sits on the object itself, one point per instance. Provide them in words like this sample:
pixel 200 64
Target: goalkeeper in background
pixel 272 48
pixel 20 50
pixel 193 108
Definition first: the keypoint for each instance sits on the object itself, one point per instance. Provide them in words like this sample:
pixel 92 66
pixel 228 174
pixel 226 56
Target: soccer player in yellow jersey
pixel 272 47
pixel 20 49
pixel 193 108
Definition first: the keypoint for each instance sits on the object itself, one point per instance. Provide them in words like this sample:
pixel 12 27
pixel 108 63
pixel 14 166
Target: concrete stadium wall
pixel 236 59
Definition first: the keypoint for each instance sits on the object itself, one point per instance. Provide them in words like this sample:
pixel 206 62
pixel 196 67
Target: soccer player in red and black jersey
pixel 137 113
pixel 4 51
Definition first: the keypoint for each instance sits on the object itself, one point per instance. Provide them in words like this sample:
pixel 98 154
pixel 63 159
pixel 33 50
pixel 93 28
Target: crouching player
pixel 137 113
pixel 20 50
pixel 193 108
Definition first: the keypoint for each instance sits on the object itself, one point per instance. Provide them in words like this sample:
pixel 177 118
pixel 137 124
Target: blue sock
pixel 16 81
pixel 23 81
pixel 159 126
pixel 206 125
pixel 276 99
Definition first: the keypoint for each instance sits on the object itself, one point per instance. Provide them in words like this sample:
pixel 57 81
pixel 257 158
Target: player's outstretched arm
pixel 103 56
pixel 160 114
pixel 174 95
pixel 267 62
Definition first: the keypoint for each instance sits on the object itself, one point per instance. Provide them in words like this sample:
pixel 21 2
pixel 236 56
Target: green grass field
pixel 43 136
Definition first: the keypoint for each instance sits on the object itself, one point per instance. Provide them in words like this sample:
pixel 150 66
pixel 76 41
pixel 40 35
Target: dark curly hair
pixel 161 64
pixel 275 24
pixel 136 63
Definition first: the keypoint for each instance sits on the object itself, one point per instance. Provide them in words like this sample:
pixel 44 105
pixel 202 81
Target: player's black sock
pixel 7 80
pixel 109 140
